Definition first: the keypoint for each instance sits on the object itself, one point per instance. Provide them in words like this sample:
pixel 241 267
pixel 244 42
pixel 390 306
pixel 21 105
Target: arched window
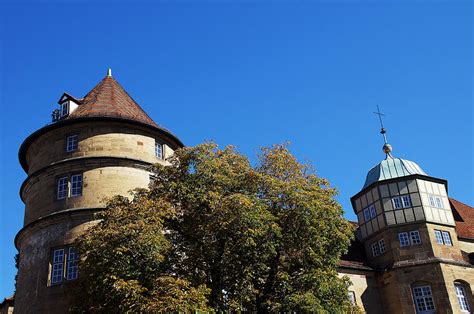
pixel 462 294
pixel 423 299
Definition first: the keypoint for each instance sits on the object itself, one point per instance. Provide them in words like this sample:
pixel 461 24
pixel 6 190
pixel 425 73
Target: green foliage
pixel 213 232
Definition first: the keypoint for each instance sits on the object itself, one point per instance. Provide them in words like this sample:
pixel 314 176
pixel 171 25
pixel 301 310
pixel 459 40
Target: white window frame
pixel 76 185
pixel 423 299
pixel 72 264
pixel 375 249
pixel 57 266
pixel 447 238
pixel 439 202
pixel 62 188
pixel 404 239
pixel 438 237
pixel 397 202
pixel 406 201
pixel 415 238
pixel 64 109
pixel 159 153
pixel 461 295
pixel 435 201
pixel 71 143
pixel 382 247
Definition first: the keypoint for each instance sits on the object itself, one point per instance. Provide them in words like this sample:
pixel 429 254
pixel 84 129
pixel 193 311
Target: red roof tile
pixel 109 99
pixel 464 218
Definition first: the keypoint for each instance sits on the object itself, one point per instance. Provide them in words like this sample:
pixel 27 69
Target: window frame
pixel 372 211
pixel 162 150
pixel 375 249
pixel 71 146
pixel 352 297
pixel 406 199
pixel 64 105
pixel 397 200
pixel 418 237
pixel 400 234
pixel 463 301
pixel 66 264
pixel 62 189
pixel 366 214
pixel 422 297
pixel 447 236
pixel 439 237
pixel 76 191
pixel 381 243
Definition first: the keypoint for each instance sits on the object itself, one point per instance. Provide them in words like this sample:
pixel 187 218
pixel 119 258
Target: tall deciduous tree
pixel 222 234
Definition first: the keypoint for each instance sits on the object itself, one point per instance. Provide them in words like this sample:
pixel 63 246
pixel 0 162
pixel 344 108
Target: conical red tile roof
pixel 109 99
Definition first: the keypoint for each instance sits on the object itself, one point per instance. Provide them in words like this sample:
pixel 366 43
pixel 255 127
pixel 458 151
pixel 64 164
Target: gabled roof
pixel 464 219
pixel 109 99
pixel 392 167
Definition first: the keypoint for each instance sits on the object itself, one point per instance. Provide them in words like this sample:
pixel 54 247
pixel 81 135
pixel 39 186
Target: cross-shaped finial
pixel 382 129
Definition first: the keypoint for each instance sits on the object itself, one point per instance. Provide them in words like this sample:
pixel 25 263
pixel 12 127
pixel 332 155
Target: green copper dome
pixel 390 168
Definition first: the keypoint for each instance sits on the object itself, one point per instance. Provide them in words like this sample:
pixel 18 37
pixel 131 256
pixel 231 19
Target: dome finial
pixel 387 148
pixel 109 72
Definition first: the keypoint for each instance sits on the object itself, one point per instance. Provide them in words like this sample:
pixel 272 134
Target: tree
pixel 223 233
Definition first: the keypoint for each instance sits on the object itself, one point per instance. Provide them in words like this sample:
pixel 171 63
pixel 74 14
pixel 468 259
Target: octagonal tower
pixel 97 147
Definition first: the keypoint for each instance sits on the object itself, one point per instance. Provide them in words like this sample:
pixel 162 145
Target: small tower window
pixel 375 249
pixel 423 299
pixel 397 204
pixel 415 237
pixel 406 201
pixel 76 185
pixel 443 237
pixel 403 238
pixel 159 150
pixel 62 188
pixel 435 201
pixel 64 265
pixel 382 246
pixel 71 143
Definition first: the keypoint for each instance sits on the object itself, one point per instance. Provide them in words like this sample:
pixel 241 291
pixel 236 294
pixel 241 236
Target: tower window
pixel 439 237
pixel 446 238
pixel 403 238
pixel 159 151
pixel 366 214
pixel 443 237
pixel 415 237
pixel 373 212
pixel 382 247
pixel 62 189
pixel 71 143
pixel 435 201
pixel 57 266
pixel 400 202
pixel 462 299
pixel 76 185
pixel 352 298
pixel 375 249
pixel 64 265
pixel 423 299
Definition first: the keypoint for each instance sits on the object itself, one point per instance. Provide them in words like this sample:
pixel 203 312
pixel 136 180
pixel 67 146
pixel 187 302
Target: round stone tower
pixel 97 147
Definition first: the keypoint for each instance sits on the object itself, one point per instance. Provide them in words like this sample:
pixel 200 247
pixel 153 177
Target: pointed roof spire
pixel 109 99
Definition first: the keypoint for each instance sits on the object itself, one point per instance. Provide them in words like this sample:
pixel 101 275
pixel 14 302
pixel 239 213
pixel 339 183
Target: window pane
pixel 76 185
pixel 159 150
pixel 423 299
pixel 72 264
pixel 439 238
pixel 62 188
pixel 373 212
pixel 439 203
pixel 71 143
pixel 382 246
pixel 396 202
pixel 415 237
pixel 375 249
pixel 406 201
pixel 57 266
pixel 447 238
pixel 431 200
pixel 403 238
pixel 366 214
pixel 461 295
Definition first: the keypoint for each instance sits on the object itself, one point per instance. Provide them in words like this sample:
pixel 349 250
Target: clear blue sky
pixel 252 74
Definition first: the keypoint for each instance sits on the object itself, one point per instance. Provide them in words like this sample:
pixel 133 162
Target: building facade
pixel 97 147
pixel 413 246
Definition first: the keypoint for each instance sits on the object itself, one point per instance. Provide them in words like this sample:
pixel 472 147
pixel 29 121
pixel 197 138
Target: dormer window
pixel 64 109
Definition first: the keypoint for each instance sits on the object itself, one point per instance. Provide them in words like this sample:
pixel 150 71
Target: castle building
pixel 414 247
pixel 97 147
pixel 413 251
